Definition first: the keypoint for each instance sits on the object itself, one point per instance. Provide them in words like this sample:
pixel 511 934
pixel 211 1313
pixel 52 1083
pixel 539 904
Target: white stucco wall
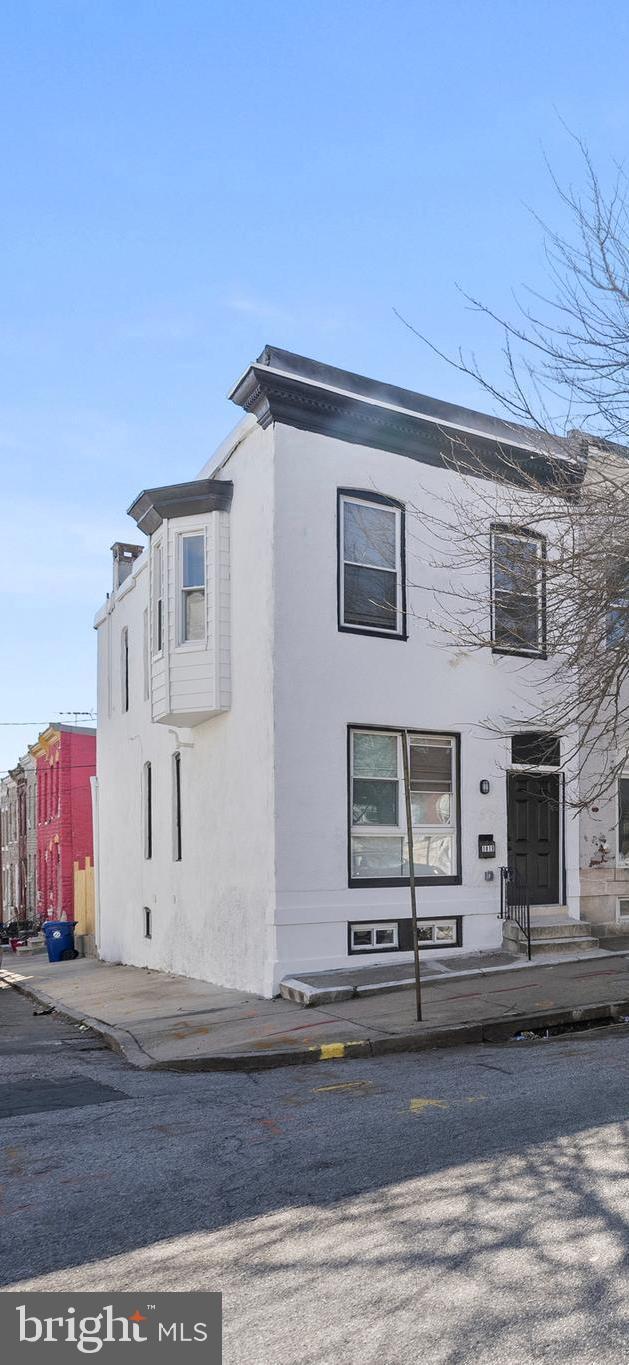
pixel 326 680
pixel 212 913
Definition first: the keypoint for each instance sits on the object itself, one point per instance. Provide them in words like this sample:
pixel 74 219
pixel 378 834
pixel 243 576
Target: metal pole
pixel 411 871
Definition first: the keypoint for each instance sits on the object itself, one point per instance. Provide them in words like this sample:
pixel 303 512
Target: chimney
pixel 124 558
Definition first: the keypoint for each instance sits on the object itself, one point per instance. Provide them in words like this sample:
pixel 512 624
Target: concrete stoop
pixel 551 933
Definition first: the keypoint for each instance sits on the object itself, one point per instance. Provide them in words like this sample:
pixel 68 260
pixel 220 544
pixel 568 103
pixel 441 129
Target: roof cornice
pixel 154 505
pixel 390 419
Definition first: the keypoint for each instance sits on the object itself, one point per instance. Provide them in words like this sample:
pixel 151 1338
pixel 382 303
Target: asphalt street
pixel 460 1206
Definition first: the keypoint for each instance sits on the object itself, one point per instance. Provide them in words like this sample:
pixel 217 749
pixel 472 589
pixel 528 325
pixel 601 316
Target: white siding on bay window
pixel 191 680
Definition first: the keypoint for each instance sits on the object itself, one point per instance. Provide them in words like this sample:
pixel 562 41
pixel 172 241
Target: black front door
pixel 533 833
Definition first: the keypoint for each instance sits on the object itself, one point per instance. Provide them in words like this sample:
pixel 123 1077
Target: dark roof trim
pixel 154 505
pixel 302 393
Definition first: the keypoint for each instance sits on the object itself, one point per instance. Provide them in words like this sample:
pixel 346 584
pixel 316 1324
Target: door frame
pixel 541 770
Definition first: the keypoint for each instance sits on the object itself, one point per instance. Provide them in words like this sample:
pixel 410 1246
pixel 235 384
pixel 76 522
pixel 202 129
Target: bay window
pixel 378 834
pixel 371 564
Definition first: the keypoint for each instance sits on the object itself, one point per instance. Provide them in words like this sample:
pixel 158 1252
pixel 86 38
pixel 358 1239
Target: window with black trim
pixel 378 834
pixel 371 564
pixel 518 576
pixel 177 807
pixel 617 624
pixel 536 749
pixel 148 811
pixel 623 820
pixel 369 938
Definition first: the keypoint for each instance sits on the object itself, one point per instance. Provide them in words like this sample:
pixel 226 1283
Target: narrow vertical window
pixel 623 821
pixel 148 811
pixel 192 568
pixel 518 571
pixel 371 564
pixel 148 927
pixel 177 807
pixel 124 668
pixel 145 652
pixel 158 600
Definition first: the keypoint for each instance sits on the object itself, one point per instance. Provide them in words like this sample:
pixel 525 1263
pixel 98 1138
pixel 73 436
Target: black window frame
pixel 177 807
pixel 405 934
pixel 380 500
pixel 456 878
pixel 148 811
pixel 521 533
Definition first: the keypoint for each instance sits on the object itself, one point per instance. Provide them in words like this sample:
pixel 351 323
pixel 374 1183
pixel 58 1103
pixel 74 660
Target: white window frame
pixel 375 504
pixel 519 535
pixel 157 617
pixel 182 643
pixel 372 928
pixel 434 925
pixel 364 831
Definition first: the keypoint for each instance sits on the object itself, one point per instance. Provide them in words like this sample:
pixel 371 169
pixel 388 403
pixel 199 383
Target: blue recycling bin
pixel 60 939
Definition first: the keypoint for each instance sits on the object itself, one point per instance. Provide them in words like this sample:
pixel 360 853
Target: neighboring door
pixel 533 833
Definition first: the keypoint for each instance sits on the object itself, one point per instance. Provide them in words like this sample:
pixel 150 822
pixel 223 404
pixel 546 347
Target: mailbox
pixel 486 846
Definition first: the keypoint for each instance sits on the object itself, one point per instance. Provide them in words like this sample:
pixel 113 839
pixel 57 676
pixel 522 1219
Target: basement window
pixel 442 932
pixel 369 938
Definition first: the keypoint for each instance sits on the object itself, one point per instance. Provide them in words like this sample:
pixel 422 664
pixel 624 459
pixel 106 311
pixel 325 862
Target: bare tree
pixel 558 500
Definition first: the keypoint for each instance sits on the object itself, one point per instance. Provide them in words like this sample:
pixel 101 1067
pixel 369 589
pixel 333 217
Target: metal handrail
pixel 515 903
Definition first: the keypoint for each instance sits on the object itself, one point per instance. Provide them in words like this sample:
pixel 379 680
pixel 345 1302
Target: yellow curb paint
pixel 418 1106
pixel 331 1050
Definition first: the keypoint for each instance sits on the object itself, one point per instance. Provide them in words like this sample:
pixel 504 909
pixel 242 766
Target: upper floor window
pixel 371 564
pixel 518 571
pixel 158 600
pixel 623 820
pixel 378 830
pixel 124 668
pixel 617 625
pixel 192 590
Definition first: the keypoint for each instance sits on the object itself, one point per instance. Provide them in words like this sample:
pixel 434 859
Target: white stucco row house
pixel 257 661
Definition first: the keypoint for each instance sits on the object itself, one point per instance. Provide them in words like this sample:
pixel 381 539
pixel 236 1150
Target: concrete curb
pixel 457 1035
pixel 118 1039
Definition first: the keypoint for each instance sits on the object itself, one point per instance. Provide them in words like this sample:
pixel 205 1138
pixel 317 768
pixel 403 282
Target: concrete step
pixel 583 943
pixel 573 928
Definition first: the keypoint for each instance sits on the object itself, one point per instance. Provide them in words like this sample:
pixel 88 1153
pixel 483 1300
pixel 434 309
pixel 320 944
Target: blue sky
pixel 185 180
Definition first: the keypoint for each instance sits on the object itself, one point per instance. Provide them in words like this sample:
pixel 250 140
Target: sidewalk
pixel 159 1021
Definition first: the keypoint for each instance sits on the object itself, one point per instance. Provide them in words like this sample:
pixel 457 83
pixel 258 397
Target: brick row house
pixel 46 824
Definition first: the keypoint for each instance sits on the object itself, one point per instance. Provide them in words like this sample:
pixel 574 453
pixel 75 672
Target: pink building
pixel 66 760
